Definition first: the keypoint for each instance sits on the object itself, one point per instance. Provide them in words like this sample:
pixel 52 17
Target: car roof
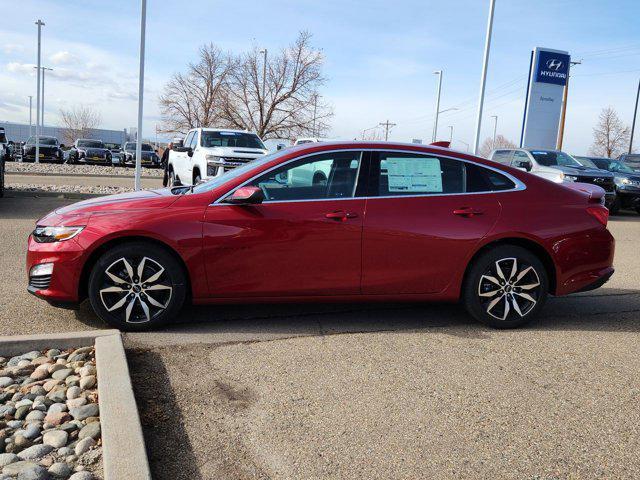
pixel 207 129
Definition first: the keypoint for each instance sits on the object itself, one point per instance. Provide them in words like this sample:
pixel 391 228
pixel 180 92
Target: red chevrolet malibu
pixel 329 222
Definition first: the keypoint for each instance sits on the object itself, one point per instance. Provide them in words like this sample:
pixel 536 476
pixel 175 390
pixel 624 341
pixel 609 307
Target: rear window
pixel 481 179
pixel 549 158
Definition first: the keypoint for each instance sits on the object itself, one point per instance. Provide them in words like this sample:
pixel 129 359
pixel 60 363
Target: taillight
pixel 600 213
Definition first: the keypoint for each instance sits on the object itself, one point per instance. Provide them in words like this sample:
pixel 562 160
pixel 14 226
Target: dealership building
pixel 20 132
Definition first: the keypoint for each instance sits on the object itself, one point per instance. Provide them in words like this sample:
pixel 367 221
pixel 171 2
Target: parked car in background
pixel 439 226
pixel 627 181
pixel 6 147
pixel 556 166
pixel 149 156
pixel 210 152
pixel 116 152
pixel 2 167
pixel 50 150
pixel 631 160
pixel 89 151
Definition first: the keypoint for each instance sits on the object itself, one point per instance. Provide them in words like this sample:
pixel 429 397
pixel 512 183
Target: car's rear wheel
pixel 506 287
pixel 137 286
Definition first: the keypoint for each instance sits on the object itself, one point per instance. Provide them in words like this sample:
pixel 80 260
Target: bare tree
pixel 79 122
pixel 489 145
pixel 279 99
pixel 610 135
pixel 195 99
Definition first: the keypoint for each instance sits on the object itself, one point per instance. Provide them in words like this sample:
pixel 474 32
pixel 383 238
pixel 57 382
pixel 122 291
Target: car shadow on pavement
pixel 169 449
pixel 604 309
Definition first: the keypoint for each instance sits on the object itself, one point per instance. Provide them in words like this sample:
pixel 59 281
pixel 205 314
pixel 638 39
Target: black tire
pixel 2 165
pixel 196 177
pixel 507 307
pixel 173 181
pixel 615 206
pixel 169 287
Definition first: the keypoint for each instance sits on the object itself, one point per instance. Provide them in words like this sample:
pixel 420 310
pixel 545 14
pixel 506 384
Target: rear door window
pixel 502 156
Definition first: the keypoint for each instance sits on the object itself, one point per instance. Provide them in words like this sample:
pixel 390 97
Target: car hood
pixel 237 152
pixel 630 176
pixel 81 211
pixel 584 171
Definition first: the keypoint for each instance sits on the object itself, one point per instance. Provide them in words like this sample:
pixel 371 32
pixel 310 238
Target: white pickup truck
pixel 209 152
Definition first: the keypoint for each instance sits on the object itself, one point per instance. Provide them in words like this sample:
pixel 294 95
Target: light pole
pixel 495 129
pixel 633 124
pixel 483 76
pixel 143 22
pixel 40 24
pixel 30 114
pixel 450 134
pixel 42 97
pixel 435 123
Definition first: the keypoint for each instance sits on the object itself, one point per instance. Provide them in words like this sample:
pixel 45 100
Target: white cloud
pixel 11 48
pixel 64 58
pixel 23 68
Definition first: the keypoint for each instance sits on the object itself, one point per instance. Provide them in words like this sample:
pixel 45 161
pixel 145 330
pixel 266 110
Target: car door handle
pixel 340 215
pixel 468 212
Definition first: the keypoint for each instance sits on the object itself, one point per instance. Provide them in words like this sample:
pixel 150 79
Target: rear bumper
pixel 599 279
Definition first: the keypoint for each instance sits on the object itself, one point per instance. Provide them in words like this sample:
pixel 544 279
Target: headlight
pixel 622 181
pixel 213 159
pixel 570 178
pixel 55 234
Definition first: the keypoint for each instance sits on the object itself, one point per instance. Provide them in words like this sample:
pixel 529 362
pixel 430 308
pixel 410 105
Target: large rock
pixel 33 472
pixel 6 381
pixel 55 438
pixel 85 411
pixel 36 452
pixel 84 445
pixel 61 374
pixel 15 468
pixel 7 458
pixel 60 470
pixel 87 382
pixel 82 476
pixel 91 430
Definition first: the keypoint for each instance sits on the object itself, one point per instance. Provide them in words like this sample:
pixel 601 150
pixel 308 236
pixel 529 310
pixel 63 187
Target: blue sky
pixel 380 56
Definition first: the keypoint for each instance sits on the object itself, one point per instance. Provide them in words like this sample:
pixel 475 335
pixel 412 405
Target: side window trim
pixel 361 159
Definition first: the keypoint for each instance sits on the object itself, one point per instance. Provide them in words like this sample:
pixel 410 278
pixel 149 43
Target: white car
pixel 523 159
pixel 210 152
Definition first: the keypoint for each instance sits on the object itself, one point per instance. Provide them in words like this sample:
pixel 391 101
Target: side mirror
pixel 190 152
pixel 525 164
pixel 281 146
pixel 246 196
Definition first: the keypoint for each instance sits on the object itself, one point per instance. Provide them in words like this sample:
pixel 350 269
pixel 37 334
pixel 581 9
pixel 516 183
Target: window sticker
pixel 419 175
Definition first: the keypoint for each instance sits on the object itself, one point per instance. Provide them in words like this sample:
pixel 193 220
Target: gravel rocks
pixel 49 416
pixel 66 169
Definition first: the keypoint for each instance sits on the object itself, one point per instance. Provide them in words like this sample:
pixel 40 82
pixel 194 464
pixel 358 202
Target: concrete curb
pixel 89 175
pixel 123 450
pixel 11 193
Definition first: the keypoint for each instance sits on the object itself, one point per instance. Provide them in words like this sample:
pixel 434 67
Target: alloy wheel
pixel 138 290
pixel 509 287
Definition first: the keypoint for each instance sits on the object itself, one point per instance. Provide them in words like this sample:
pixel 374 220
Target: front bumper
pixel 67 258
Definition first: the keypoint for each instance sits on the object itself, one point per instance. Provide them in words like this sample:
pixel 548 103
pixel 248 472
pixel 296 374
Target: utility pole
pixel 563 113
pixel 40 24
pixel 635 113
pixel 30 114
pixel 143 23
pixel 387 125
pixel 495 128
pixel 435 123
pixel 450 134
pixel 483 76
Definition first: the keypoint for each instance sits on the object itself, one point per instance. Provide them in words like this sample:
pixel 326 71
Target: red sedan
pixel 329 222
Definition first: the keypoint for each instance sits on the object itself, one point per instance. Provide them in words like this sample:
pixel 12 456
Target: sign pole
pixel 39 23
pixel 635 113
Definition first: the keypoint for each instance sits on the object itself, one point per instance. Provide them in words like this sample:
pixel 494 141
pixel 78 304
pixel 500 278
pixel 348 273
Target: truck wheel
pixel 196 177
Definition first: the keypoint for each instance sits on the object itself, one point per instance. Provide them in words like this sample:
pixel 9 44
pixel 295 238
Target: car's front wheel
pixel 506 287
pixel 137 286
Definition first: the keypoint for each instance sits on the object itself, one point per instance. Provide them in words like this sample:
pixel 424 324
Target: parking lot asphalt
pixel 375 390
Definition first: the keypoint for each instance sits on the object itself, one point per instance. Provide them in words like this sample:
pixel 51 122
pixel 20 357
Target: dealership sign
pixel 549 72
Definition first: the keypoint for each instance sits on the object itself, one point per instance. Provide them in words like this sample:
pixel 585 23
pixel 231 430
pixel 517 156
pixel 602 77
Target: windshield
pixel 235 173
pixel 90 143
pixel 617 166
pixel 633 161
pixel 43 141
pixel 231 139
pixel 129 146
pixel 586 162
pixel 550 158
pixel 147 148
